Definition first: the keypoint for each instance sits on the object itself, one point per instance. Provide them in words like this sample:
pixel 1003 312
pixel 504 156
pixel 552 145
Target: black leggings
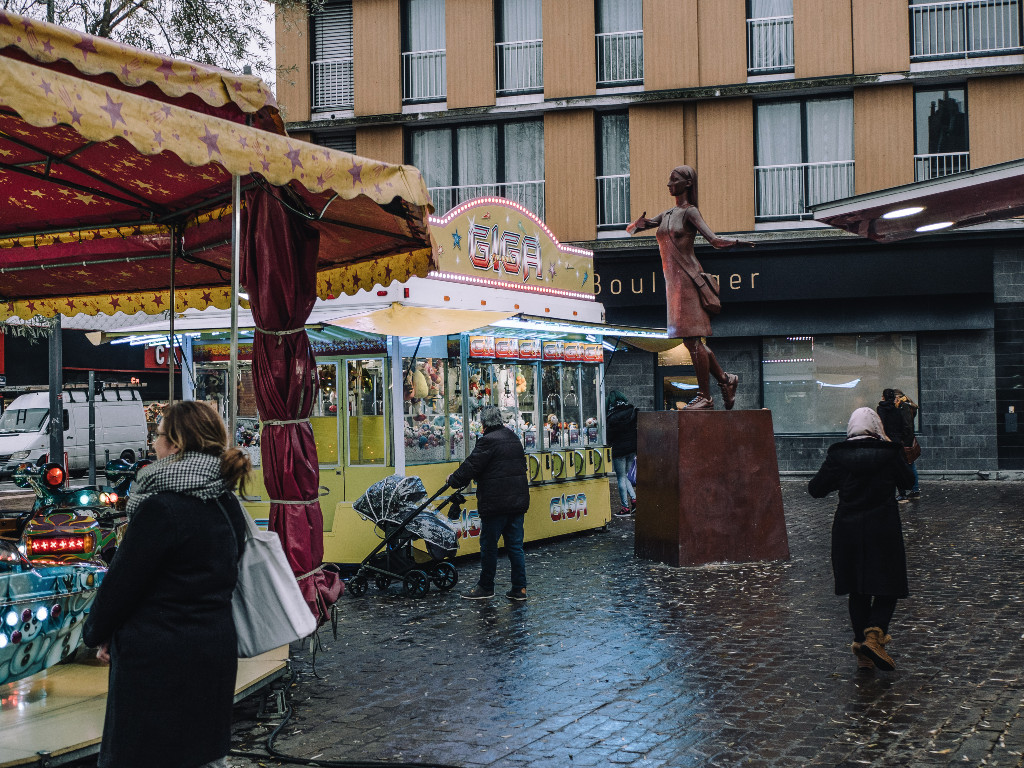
pixel 870 611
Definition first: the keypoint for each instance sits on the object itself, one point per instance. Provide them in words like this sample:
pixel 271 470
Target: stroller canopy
pixel 390 501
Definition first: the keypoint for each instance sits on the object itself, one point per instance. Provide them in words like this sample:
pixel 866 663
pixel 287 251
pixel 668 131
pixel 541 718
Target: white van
pixel 120 428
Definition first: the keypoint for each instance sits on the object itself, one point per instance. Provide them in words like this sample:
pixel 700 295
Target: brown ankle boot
pixel 728 388
pixel 874 648
pixel 863 662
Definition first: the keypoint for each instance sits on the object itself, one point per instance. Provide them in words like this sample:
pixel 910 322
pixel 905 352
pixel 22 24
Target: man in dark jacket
pixel 621 424
pixel 894 424
pixel 498 464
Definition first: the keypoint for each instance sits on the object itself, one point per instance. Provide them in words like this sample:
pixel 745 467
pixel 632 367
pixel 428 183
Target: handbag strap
pixel 231 526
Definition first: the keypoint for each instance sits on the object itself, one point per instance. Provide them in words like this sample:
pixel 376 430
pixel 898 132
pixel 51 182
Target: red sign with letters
pixel 160 355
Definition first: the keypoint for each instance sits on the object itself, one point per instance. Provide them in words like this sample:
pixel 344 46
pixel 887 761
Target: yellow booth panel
pixel 325 433
pixel 367 440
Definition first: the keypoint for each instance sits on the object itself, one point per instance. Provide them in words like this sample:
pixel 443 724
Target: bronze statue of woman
pixel 687 318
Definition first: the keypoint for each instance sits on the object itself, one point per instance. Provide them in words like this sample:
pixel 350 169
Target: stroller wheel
pixel 381 582
pixel 446 576
pixel 357 586
pixel 415 583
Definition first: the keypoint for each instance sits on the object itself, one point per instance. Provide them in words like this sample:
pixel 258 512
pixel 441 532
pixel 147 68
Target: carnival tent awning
pixel 400 320
pixel 979 196
pixel 108 154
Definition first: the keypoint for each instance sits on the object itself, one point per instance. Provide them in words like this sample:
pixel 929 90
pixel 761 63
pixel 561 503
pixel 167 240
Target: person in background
pixel 620 419
pixel 908 410
pixel 869 562
pixel 498 464
pixel 893 423
pixel 162 616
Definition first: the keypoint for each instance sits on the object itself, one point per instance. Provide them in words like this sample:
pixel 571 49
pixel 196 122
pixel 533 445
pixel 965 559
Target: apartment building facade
pixel 579 109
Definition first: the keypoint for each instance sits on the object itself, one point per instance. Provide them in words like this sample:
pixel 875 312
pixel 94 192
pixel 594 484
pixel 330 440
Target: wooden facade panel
pixel 822 37
pixel 469 25
pixel 725 169
pixel 995 114
pixel 570 48
pixel 570 171
pixel 377 65
pixel 661 137
pixel 670 44
pixel 722 31
pixel 881 36
pixel 384 143
pixel 293 50
pixel 883 137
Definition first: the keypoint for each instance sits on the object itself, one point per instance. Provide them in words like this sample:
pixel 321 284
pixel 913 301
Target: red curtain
pixel 279 259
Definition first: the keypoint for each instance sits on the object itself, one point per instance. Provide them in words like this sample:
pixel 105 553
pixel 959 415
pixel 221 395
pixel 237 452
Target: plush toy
pixel 420 386
pixel 506 388
pixel 520 383
pixel 474 385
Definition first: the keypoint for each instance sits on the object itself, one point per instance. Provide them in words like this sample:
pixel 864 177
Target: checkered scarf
pixel 191 473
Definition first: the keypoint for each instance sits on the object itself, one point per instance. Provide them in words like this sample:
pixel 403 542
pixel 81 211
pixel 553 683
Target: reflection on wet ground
pixel 620 661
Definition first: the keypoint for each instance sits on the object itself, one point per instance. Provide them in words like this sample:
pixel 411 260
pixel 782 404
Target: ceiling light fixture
pixel 936 225
pixel 899 213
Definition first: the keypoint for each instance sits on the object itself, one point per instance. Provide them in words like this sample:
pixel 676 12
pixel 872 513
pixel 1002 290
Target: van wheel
pixel 128 455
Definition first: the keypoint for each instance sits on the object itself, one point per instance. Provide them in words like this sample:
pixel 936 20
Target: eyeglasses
pixel 161 434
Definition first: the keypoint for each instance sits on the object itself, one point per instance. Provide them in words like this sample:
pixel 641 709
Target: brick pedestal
pixel 708 488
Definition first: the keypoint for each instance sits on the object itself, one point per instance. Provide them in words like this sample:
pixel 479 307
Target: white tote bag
pixel 267 606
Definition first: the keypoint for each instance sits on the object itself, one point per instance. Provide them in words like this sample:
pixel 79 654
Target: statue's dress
pixel 675 235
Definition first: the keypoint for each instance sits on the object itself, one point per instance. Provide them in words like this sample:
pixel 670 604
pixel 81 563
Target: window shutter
pixel 332 31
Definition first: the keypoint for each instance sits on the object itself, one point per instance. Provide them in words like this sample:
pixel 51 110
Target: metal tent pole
pixel 397 403
pixel 236 263
pixel 170 338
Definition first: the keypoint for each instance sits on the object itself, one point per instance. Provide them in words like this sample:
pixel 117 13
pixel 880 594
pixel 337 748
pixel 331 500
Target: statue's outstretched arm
pixel 644 223
pixel 711 237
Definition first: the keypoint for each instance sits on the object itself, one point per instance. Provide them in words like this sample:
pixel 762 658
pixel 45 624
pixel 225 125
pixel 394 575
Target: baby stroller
pixel 399 507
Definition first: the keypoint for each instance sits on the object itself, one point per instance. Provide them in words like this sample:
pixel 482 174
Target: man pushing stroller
pixel 498 464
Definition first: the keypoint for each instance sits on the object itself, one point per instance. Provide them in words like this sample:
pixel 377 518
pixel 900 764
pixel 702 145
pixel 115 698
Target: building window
pixel 613 170
pixel 940 133
pixel 424 73
pixel 812 384
pixel 804 155
pixel 332 56
pixel 504 159
pixel 344 141
pixel 520 47
pixel 620 43
pixel 964 29
pixel 769 36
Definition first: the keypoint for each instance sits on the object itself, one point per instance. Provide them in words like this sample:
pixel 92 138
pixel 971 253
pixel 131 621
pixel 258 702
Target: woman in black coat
pixel 868 558
pixel 162 617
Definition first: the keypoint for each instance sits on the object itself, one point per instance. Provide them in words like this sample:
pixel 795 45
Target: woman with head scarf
pixel 620 419
pixel 868 559
pixel 162 617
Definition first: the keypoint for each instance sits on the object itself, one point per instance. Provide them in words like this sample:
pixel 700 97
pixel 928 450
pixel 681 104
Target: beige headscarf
pixel 864 422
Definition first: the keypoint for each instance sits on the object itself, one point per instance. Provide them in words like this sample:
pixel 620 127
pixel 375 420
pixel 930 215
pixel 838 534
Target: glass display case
pixel 591 405
pixel 551 397
pixel 366 423
pixel 324 416
pixel 432 410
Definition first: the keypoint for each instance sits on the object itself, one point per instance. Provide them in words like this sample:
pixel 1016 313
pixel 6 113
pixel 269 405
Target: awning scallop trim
pixel 384 270
pixel 150 302
pixel 134 67
pixel 101 114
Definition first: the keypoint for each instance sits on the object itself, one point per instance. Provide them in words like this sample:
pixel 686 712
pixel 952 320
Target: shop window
pixel 424 72
pixel 678 378
pixel 769 37
pixel 940 133
pixel 520 47
pixel 613 170
pixel 332 56
pixel 367 428
pixel 324 416
pixel 804 155
pixel 812 384
pixel 964 29
pixel 503 159
pixel 482 387
pixel 620 43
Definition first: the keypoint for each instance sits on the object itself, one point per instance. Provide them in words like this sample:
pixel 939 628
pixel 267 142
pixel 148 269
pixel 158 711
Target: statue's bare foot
pixel 700 403
pixel 729 390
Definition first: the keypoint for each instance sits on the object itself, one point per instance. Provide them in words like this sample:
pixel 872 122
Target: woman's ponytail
pixel 235 467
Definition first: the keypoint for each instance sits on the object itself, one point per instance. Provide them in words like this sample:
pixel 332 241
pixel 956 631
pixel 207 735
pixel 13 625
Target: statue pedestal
pixel 708 488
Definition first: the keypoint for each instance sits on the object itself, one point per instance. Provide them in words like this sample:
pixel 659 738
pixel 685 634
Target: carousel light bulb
pixel 3 640
pixel 11 618
pixel 41 613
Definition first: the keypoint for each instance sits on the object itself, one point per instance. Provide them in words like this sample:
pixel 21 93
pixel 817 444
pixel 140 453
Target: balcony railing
pixel 964 28
pixel 770 45
pixel 332 84
pixel 945 164
pixel 529 194
pixel 424 76
pixel 787 191
pixel 520 67
pixel 613 201
pixel 620 58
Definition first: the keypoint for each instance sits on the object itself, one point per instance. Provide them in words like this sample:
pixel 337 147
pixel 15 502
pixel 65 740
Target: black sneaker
pixel 901 498
pixel 623 512
pixel 516 593
pixel 914 495
pixel 478 593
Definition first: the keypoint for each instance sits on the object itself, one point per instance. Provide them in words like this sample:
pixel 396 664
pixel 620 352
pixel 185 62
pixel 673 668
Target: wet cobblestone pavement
pixel 619 661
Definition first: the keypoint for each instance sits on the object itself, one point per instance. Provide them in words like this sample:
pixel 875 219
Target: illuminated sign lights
pixel 491 283
pixel 463 207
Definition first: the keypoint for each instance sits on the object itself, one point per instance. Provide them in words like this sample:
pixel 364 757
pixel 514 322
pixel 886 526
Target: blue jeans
pixel 626 490
pixel 917 487
pixel 509 528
